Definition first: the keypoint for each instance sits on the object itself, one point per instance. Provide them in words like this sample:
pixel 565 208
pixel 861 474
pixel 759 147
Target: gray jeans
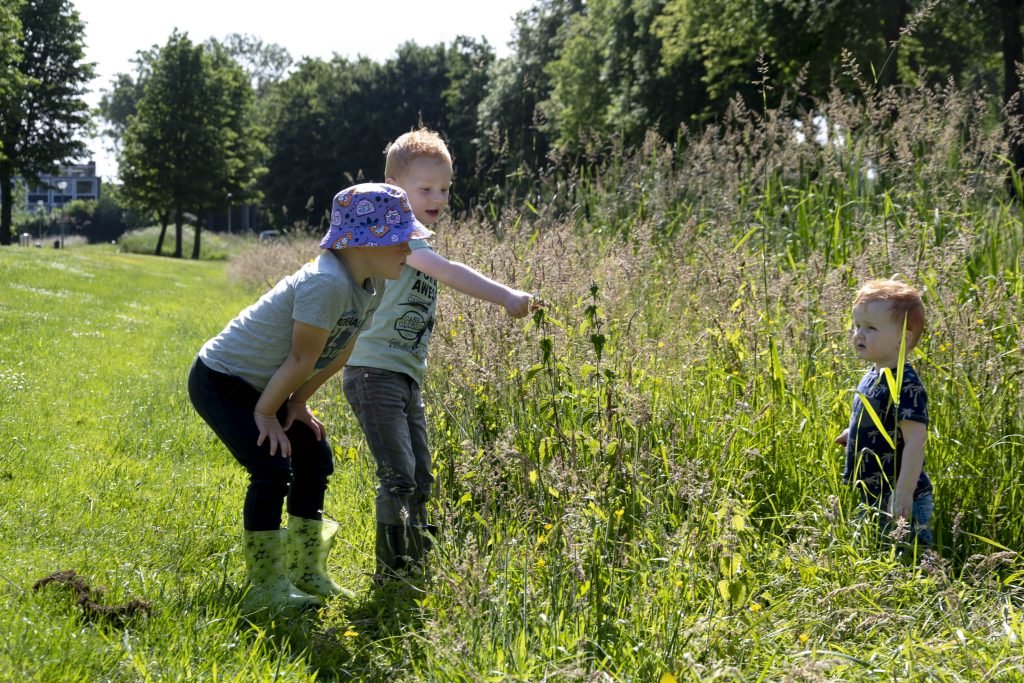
pixel 389 408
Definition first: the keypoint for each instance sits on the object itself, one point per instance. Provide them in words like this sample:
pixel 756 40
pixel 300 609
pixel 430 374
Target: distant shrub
pixel 268 261
pixel 214 247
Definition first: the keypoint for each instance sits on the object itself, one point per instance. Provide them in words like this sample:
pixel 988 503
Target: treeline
pixel 199 128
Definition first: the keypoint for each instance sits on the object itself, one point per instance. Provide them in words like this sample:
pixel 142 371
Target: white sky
pixel 116 29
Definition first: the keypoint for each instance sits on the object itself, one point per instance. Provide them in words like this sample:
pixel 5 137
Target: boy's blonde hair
pixel 411 146
pixel 904 302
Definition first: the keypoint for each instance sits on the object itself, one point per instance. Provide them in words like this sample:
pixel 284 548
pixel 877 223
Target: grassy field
pixel 637 484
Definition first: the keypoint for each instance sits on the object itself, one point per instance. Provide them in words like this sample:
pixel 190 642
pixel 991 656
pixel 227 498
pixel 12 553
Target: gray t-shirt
pixel 397 339
pixel 322 294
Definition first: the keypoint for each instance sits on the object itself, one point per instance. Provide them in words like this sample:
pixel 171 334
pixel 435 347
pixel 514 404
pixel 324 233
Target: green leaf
pixel 874 418
pixel 734 592
pixel 745 238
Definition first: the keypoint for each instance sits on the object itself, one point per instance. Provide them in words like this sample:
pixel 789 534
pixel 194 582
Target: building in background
pixel 74 181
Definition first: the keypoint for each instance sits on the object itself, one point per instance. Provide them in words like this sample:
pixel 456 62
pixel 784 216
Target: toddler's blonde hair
pixel 904 302
pixel 411 146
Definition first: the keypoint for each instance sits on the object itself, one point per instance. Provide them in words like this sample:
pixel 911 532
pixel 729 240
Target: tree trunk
pixel 164 218
pixel 891 32
pixel 6 199
pixel 177 232
pixel 198 236
pixel 1013 54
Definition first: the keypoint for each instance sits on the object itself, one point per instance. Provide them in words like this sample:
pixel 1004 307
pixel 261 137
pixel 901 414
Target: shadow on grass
pixel 374 637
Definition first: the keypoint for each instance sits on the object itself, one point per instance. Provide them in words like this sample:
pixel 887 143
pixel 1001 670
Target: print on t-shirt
pixel 416 319
pixel 343 330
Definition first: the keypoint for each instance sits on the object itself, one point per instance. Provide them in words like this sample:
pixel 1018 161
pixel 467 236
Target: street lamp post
pixel 229 213
pixel 39 217
pixel 62 185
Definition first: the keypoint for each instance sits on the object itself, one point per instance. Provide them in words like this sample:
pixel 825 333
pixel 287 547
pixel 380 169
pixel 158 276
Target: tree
pixel 314 117
pixel 265 63
pixel 511 123
pixel 467 65
pixel 609 79
pixel 1013 56
pixel 10 55
pixel 42 111
pixel 120 102
pixel 191 140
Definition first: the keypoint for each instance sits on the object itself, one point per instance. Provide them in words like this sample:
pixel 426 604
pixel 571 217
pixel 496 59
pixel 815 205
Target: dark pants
pixel 226 403
pixel 389 408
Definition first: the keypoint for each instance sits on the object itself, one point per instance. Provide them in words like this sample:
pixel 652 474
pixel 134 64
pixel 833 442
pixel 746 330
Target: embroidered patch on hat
pixel 364 207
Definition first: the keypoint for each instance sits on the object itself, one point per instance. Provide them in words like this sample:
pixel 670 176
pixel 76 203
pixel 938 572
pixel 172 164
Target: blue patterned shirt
pixel 870 460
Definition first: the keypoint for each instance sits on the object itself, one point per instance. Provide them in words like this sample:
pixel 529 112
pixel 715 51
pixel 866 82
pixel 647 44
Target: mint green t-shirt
pixel 397 339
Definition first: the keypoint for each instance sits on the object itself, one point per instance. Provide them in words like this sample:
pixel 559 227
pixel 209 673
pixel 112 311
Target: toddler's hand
pixel 299 411
pixel 901 505
pixel 271 429
pixel 843 438
pixel 517 304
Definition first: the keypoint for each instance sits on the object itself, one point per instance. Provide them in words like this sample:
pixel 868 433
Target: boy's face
pixel 876 334
pixel 384 261
pixel 426 180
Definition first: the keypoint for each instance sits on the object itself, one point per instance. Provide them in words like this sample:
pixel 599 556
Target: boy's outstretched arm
pixel 914 436
pixel 461 277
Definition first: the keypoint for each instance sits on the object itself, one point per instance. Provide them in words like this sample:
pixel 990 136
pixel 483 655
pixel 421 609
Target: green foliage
pixel 511 125
pixel 637 483
pixel 329 113
pixel 264 63
pixel 214 248
pixel 468 63
pixel 42 110
pixel 192 140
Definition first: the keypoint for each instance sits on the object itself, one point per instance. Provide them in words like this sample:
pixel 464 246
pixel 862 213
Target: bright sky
pixel 116 29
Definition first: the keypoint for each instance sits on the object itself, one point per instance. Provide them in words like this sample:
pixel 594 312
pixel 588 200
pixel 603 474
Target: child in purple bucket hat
pixel 251 384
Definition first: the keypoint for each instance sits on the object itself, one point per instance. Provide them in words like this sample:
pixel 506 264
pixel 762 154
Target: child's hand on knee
pixel 271 429
pixel 298 411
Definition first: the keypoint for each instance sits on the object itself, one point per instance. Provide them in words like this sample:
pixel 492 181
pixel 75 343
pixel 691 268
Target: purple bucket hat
pixel 372 215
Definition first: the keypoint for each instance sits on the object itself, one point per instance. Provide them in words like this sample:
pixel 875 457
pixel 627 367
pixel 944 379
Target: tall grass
pixel 637 483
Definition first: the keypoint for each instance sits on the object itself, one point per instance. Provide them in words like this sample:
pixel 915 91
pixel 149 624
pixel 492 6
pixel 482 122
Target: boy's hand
pixel 517 303
pixel 843 438
pixel 299 411
pixel 901 505
pixel 271 429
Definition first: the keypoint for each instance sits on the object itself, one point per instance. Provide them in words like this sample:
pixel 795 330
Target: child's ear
pixel 390 181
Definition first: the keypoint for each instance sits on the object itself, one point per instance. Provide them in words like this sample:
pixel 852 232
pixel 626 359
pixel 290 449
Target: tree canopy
pixel 42 111
pixel 582 78
pixel 191 141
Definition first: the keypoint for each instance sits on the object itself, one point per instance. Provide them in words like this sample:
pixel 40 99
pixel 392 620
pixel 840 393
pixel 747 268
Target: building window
pixel 84 187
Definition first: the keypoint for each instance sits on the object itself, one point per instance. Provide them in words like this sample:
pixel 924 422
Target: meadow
pixel 638 483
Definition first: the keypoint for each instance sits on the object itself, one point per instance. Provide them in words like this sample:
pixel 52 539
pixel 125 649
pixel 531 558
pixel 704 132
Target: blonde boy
pixel 383 377
pixel 890 476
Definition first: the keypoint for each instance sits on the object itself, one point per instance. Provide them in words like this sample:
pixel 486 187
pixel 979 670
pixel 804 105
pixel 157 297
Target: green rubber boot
pixel 265 564
pixel 309 543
